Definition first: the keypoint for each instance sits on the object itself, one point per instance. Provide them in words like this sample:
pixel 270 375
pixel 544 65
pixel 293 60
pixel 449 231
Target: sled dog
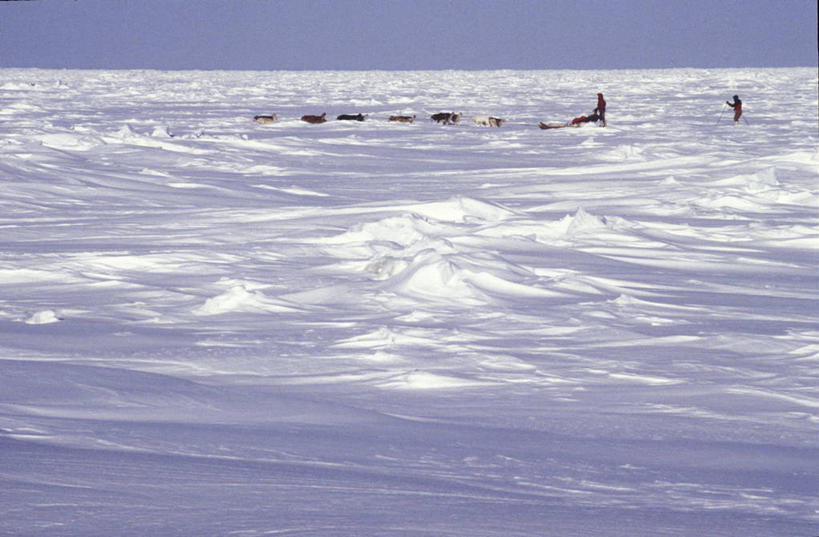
pixel 446 118
pixel 314 119
pixel 403 119
pixel 265 119
pixel 483 121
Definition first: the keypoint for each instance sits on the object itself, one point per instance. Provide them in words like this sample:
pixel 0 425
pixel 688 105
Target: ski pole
pixel 724 107
pixel 746 121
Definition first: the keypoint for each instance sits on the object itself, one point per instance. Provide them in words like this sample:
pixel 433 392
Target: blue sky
pixel 407 34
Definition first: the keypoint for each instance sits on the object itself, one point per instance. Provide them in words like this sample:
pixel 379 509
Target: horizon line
pixel 377 69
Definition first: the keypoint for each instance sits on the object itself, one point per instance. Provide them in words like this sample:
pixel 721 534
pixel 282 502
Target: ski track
pixel 213 327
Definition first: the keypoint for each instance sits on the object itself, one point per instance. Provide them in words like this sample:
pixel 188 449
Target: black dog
pixel 350 117
pixel 446 117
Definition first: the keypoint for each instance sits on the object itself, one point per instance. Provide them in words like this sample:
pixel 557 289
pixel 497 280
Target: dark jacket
pixel 601 104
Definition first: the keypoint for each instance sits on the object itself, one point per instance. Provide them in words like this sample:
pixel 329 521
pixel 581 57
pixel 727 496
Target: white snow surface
pixel 214 327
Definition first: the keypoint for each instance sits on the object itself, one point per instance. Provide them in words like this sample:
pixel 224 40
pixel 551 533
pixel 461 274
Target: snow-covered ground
pixel 214 327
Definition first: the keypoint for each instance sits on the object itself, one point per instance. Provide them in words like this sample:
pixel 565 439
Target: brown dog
pixel 403 119
pixel 314 119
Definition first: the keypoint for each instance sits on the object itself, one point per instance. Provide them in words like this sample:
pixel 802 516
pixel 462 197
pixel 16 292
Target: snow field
pixel 214 327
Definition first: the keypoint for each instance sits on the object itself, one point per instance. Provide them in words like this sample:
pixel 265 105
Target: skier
pixel 737 106
pixel 601 109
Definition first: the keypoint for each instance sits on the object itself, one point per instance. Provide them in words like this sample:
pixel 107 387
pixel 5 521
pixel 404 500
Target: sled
pixel 543 125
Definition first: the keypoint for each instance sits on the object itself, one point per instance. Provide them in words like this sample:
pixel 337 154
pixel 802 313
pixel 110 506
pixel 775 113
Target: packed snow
pixel 210 326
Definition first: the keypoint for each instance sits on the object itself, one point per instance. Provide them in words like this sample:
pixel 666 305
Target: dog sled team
pixel 444 118
pixel 449 118
pixel 597 116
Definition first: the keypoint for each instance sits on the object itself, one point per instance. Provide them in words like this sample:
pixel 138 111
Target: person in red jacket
pixel 601 109
pixel 737 106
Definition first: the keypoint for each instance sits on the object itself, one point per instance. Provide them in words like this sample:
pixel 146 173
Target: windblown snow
pixel 214 327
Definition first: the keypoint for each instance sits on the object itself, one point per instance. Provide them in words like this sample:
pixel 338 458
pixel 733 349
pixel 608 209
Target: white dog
pixel 488 121
pixel 265 119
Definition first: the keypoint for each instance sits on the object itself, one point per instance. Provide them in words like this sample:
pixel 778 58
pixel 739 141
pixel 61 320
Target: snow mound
pixel 462 209
pixel 424 380
pixel 401 231
pixel 583 222
pixel 420 224
pixel 125 132
pixel 497 286
pixel 43 317
pixel 386 247
pixel 383 268
pixel 460 279
pixel 27 275
pixel 240 298
pixel 438 252
pixel 432 276
pixel 578 225
pixel 71 141
pixel 624 153
pixel 763 180
pixel 382 337
pixel 161 132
